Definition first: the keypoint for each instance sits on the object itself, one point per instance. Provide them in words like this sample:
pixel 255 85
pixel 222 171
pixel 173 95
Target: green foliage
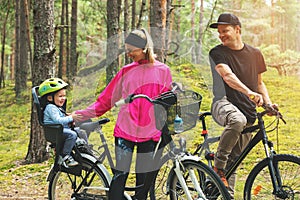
pixel 273 55
pixel 197 80
pixel 87 88
pixel 8 95
pixel 14 135
pixel 13 115
pixel 286 62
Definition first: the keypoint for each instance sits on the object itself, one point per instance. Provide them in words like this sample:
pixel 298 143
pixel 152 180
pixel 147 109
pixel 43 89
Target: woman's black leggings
pixel 145 167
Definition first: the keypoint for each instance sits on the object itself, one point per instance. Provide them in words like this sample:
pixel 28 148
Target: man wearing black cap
pixel 238 88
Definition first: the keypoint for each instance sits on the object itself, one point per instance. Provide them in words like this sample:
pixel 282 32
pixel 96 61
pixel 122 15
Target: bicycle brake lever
pixel 281 117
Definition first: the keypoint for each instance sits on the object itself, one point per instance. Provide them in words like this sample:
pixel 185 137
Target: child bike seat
pixel 52 132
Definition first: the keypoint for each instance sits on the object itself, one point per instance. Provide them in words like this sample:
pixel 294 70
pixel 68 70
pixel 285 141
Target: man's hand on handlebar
pixel 256 98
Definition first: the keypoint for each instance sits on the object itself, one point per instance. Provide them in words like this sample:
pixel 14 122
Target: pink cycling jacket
pixel 136 120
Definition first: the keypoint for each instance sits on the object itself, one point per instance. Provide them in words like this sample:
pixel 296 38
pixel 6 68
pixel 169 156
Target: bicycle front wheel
pixel 210 184
pixel 91 184
pixel 287 169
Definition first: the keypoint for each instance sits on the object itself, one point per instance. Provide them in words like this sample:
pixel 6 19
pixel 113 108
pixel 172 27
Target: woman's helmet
pixel 51 85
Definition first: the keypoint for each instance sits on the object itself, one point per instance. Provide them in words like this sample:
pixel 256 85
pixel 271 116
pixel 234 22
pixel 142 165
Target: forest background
pixel 82 41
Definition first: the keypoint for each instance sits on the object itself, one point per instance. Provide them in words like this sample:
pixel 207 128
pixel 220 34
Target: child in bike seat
pixel 53 98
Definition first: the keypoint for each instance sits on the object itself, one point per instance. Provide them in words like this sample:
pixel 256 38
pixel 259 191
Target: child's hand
pixel 76 117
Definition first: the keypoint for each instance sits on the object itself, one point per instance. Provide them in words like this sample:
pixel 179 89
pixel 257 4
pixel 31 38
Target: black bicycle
pixel 277 176
pixel 188 178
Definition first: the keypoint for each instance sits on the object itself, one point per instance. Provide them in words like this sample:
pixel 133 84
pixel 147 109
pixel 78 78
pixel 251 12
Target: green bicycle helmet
pixel 51 85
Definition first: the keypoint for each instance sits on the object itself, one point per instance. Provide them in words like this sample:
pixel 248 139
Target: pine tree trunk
pixel 67 32
pixel 43 67
pixel 22 70
pixel 2 83
pixel 199 52
pixel 193 27
pixel 61 40
pixel 126 25
pixel 143 5
pixel 168 25
pixel 112 47
pixel 73 44
pixel 28 37
pixel 133 14
pixel 158 25
pixel 17 40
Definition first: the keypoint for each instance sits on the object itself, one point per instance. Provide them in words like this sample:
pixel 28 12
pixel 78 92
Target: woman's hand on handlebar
pixel 121 102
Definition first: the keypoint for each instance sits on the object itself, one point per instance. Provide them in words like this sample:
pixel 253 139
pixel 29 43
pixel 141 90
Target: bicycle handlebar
pixel 269 109
pixel 131 97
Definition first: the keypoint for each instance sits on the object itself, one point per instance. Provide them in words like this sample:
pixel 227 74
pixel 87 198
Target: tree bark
pixel 112 47
pixel 22 70
pixel 2 82
pixel 141 13
pixel 73 44
pixel 168 24
pixel 43 67
pixel 26 8
pixel 158 25
pixel 17 38
pixel 133 14
pixel 61 40
pixel 126 25
pixel 193 50
pixel 67 32
pixel 199 53
pixel 126 16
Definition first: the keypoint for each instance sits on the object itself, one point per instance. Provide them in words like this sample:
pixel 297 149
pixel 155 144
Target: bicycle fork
pixel 183 184
pixel 274 171
pixel 273 167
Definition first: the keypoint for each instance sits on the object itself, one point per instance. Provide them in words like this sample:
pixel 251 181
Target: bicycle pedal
pixel 210 156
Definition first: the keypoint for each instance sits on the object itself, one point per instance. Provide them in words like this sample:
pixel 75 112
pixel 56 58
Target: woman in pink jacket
pixel 135 125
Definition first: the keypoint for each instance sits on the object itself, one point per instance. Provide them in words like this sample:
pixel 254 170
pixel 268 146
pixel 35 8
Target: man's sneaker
pixel 69 161
pixel 221 174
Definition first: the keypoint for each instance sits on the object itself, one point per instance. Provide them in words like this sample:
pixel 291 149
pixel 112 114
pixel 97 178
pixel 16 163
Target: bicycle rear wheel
pixel 209 182
pixel 259 184
pixel 91 184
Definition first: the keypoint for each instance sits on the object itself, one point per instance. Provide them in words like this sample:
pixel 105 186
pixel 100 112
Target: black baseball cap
pixel 226 18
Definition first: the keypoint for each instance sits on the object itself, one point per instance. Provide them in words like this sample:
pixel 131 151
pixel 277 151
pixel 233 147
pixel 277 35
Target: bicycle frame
pixel 177 156
pixel 106 152
pixel 182 181
pixel 261 135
